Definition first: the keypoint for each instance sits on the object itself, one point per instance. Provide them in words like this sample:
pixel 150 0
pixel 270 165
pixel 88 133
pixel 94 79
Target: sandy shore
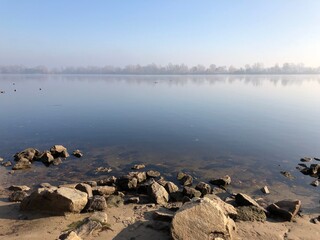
pixel 134 221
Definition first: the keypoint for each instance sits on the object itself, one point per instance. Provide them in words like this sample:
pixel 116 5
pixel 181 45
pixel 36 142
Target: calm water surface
pixel 251 127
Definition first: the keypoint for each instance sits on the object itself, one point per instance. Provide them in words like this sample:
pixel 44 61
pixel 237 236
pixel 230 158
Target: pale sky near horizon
pixel 96 32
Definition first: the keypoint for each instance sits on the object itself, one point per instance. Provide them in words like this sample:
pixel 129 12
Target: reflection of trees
pixel 172 69
pixel 171 80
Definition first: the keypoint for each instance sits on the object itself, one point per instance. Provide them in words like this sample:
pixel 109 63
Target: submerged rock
pixel 315 183
pixel 55 200
pixel 109 181
pixel 221 182
pixel 6 164
pixel 201 219
pixel 77 153
pixel 286 209
pixel 287 174
pixel 306 159
pixel 23 163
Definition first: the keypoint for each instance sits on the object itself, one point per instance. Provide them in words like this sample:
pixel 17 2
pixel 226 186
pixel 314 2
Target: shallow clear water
pixel 251 127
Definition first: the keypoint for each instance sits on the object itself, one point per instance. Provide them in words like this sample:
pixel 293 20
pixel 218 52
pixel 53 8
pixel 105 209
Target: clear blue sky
pixel 92 32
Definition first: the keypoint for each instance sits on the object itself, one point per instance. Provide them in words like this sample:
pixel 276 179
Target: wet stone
pixel 224 181
pixel 6 164
pixel 287 174
pixel 306 159
pixel 138 166
pixel 77 153
pixel 153 174
pixel 315 183
pixel 265 190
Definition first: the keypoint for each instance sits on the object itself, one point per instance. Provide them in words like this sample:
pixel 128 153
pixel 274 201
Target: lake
pixel 250 127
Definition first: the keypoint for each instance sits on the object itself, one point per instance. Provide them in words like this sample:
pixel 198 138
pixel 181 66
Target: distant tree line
pixel 178 69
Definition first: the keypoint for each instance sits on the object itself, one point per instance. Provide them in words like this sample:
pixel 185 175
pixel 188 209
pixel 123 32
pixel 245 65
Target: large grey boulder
pixel 158 193
pixel 55 200
pixel 201 219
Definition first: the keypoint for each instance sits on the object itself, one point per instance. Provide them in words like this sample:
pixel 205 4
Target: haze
pixel 119 33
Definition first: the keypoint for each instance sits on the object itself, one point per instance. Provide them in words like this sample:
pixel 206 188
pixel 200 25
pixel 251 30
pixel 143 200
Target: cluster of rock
pixel 197 212
pixel 313 170
pixel 54 156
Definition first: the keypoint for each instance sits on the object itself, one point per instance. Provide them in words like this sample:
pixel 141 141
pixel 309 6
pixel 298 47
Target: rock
pixel 127 182
pixel 6 164
pixel 314 169
pixel 91 183
pixel 316 220
pixel 101 217
pixel 286 209
pixel 265 190
pixel 71 235
pixel 186 199
pixel 30 154
pixel 23 163
pixel 315 183
pixel 162 181
pixel 138 166
pixel 227 208
pixel 17 196
pixel 1 159
pixel 186 180
pixel 103 169
pixel 171 187
pixel 133 200
pixel 57 201
pixel 201 219
pixel 87 227
pixel 316 158
pixel 86 188
pixel 204 188
pixel 190 192
pixel 96 203
pixel 103 190
pixel 176 196
pixel 57 161
pixel 115 201
pixel 224 181
pixel 244 200
pixel 306 159
pixel 18 188
pixel 250 213
pixel 153 174
pixel 45 185
pixel 77 153
pixel 59 151
pixel 162 216
pixel 180 175
pixel 140 176
pixel 287 174
pixel 109 181
pixel 158 193
pixel 46 157
pixel 143 187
